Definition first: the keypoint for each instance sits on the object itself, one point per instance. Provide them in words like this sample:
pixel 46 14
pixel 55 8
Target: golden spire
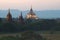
pixel 31 14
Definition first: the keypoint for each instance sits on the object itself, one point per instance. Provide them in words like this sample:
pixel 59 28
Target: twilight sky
pixel 26 4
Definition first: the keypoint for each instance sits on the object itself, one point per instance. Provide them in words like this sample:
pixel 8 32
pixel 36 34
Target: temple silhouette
pixel 30 16
pixel 9 16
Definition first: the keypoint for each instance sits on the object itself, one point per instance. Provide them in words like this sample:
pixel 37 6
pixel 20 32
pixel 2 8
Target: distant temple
pixel 31 15
pixel 21 19
pixel 9 16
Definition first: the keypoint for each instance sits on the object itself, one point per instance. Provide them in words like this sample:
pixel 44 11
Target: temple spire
pixel 9 16
pixel 31 14
pixel 31 9
pixel 21 20
pixel 9 11
pixel 21 15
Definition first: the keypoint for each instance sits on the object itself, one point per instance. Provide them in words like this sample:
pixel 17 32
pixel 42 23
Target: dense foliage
pixel 35 26
pixel 28 35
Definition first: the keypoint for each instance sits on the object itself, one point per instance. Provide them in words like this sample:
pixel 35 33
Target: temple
pixel 9 16
pixel 31 15
pixel 21 19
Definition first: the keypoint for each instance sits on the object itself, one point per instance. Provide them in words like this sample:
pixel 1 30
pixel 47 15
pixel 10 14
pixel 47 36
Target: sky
pixel 26 4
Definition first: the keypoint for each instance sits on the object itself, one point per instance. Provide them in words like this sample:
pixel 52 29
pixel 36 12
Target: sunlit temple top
pixel 31 15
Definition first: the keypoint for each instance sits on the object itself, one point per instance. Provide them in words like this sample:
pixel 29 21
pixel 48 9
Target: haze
pixel 26 4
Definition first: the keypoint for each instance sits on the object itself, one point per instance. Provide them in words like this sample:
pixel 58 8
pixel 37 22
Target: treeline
pixel 45 24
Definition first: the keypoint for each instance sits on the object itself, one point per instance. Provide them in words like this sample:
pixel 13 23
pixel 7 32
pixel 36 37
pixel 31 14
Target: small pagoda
pixel 9 16
pixel 21 19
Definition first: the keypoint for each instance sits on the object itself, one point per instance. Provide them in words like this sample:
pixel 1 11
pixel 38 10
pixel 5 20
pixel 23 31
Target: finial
pixel 9 10
pixel 31 8
pixel 21 13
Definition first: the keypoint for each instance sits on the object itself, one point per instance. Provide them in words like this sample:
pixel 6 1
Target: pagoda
pixel 21 19
pixel 31 15
pixel 9 16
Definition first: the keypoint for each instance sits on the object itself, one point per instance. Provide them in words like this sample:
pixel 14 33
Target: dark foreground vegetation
pixel 27 29
pixel 45 24
pixel 31 35
pixel 27 35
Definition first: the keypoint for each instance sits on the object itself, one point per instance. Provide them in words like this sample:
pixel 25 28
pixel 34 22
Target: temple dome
pixel 31 15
